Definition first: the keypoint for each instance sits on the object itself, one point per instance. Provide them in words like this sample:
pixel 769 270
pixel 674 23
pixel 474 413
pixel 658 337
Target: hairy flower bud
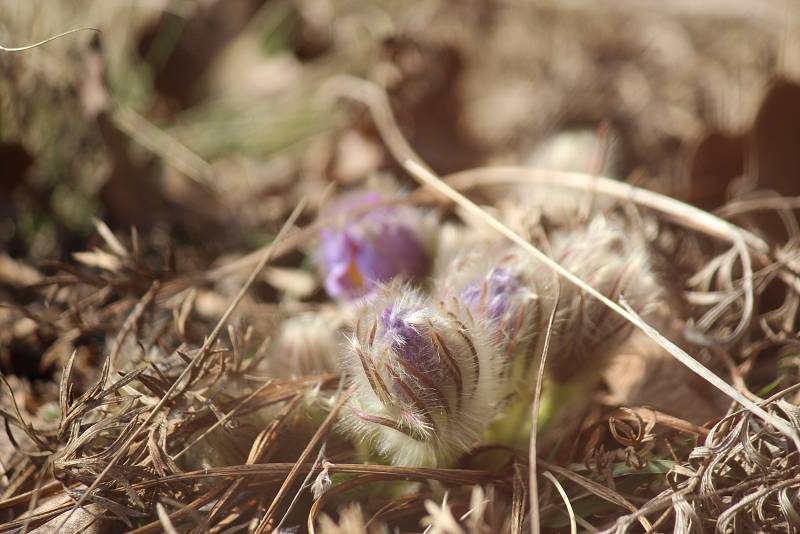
pixel 616 263
pixel 363 246
pixel 428 377
pixel 503 286
pixel 515 293
pixel 307 344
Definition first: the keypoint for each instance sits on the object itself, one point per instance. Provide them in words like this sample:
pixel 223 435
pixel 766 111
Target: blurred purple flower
pixel 362 250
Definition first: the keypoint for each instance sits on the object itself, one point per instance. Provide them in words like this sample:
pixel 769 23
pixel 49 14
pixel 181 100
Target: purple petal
pixel 373 248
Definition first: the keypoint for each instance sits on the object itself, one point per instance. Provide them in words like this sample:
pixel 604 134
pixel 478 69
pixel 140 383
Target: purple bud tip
pixel 493 295
pixel 380 244
pixel 409 341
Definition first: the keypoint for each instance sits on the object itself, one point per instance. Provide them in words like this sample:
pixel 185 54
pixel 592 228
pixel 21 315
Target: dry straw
pixel 194 363
pixel 45 41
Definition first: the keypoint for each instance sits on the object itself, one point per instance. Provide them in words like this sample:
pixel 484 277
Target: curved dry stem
pixel 534 489
pixel 573 527
pixel 45 41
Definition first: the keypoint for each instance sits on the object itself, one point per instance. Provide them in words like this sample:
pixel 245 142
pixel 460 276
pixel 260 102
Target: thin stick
pixel 40 43
pixel 424 176
pixel 265 523
pixel 573 527
pixel 537 399
pixel 210 340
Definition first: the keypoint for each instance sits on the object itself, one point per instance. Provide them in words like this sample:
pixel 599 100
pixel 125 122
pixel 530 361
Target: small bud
pixel 428 377
pixel 516 294
pixel 511 292
pixel 308 344
pixel 615 263
pixel 363 247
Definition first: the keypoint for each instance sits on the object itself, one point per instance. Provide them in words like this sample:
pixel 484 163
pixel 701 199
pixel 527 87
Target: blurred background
pixel 192 128
pixel 201 123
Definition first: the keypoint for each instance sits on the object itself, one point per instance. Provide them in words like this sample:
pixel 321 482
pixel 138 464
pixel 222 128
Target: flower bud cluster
pixel 432 370
pixel 511 292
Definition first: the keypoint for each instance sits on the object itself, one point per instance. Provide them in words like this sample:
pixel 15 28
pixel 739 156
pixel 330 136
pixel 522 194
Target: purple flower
pixel 364 247
pixel 500 287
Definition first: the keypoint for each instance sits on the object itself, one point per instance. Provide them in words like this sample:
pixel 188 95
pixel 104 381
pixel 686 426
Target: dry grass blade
pixel 178 515
pixel 320 460
pixel 259 452
pixel 198 359
pixel 45 41
pixel 17 417
pixel 537 398
pixel 426 177
pixel 573 527
pixel 110 239
pixel 163 517
pixel 265 525
pixel 595 488
pixel 518 501
pixel 672 209
pixel 164 145
pixel 338 489
pixel 276 472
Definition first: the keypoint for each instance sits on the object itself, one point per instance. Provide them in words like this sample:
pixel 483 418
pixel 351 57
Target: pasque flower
pixel 428 376
pixel 365 243
pixel 433 371
pixel 614 261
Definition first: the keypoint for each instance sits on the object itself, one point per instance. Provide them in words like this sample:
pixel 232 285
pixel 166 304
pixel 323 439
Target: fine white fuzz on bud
pixel 616 263
pixel 515 294
pixel 427 376
pixel 502 285
pixel 308 344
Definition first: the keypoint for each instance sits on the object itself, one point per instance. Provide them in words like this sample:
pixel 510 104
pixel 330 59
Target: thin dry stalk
pixel 265 525
pixel 535 406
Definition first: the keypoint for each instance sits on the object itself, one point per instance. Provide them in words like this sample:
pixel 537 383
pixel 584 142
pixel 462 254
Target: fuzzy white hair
pixel 615 261
pixel 603 253
pixel 308 343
